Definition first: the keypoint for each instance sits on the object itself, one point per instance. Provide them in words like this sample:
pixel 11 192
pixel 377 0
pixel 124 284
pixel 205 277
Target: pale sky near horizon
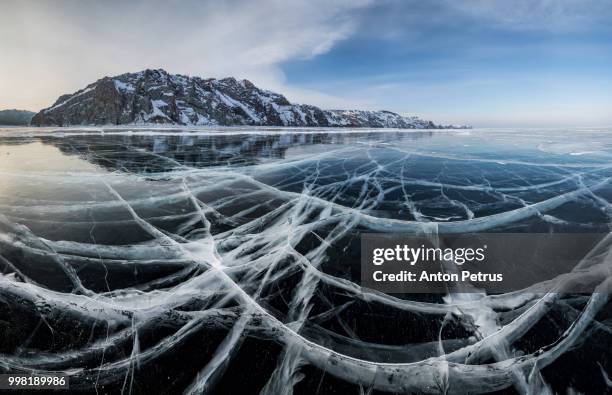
pixel 480 62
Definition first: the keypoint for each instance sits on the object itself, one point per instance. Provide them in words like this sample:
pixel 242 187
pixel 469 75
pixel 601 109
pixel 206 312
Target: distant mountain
pixel 157 97
pixel 15 117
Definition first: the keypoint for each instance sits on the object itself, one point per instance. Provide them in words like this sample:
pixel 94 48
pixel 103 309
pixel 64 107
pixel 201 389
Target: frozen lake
pixel 221 260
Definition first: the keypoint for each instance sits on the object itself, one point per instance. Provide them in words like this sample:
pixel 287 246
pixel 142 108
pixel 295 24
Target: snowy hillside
pixel 157 97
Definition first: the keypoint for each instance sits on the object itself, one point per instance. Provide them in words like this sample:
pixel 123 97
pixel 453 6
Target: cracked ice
pixel 228 261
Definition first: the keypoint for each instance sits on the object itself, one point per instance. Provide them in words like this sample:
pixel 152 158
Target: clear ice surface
pixel 166 261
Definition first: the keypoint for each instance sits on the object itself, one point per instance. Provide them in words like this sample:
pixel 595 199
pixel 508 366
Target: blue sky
pixel 540 66
pixel 483 62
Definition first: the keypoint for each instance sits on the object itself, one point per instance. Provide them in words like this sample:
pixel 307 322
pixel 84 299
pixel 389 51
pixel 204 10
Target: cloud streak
pixel 552 15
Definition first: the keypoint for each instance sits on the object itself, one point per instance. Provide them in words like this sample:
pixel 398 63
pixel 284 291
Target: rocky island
pixel 158 97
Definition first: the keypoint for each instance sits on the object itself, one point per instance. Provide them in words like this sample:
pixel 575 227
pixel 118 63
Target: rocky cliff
pixel 157 97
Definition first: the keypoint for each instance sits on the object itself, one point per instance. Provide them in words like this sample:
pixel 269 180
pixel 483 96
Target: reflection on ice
pixel 223 262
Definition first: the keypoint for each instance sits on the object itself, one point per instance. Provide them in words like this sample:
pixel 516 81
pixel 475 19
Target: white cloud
pixel 50 48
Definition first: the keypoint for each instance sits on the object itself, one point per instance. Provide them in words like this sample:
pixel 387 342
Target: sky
pixel 487 63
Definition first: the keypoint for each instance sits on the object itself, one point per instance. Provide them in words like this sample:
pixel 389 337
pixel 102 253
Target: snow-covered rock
pixel 157 97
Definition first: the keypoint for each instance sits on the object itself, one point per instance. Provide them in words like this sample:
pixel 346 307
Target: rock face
pixel 157 97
